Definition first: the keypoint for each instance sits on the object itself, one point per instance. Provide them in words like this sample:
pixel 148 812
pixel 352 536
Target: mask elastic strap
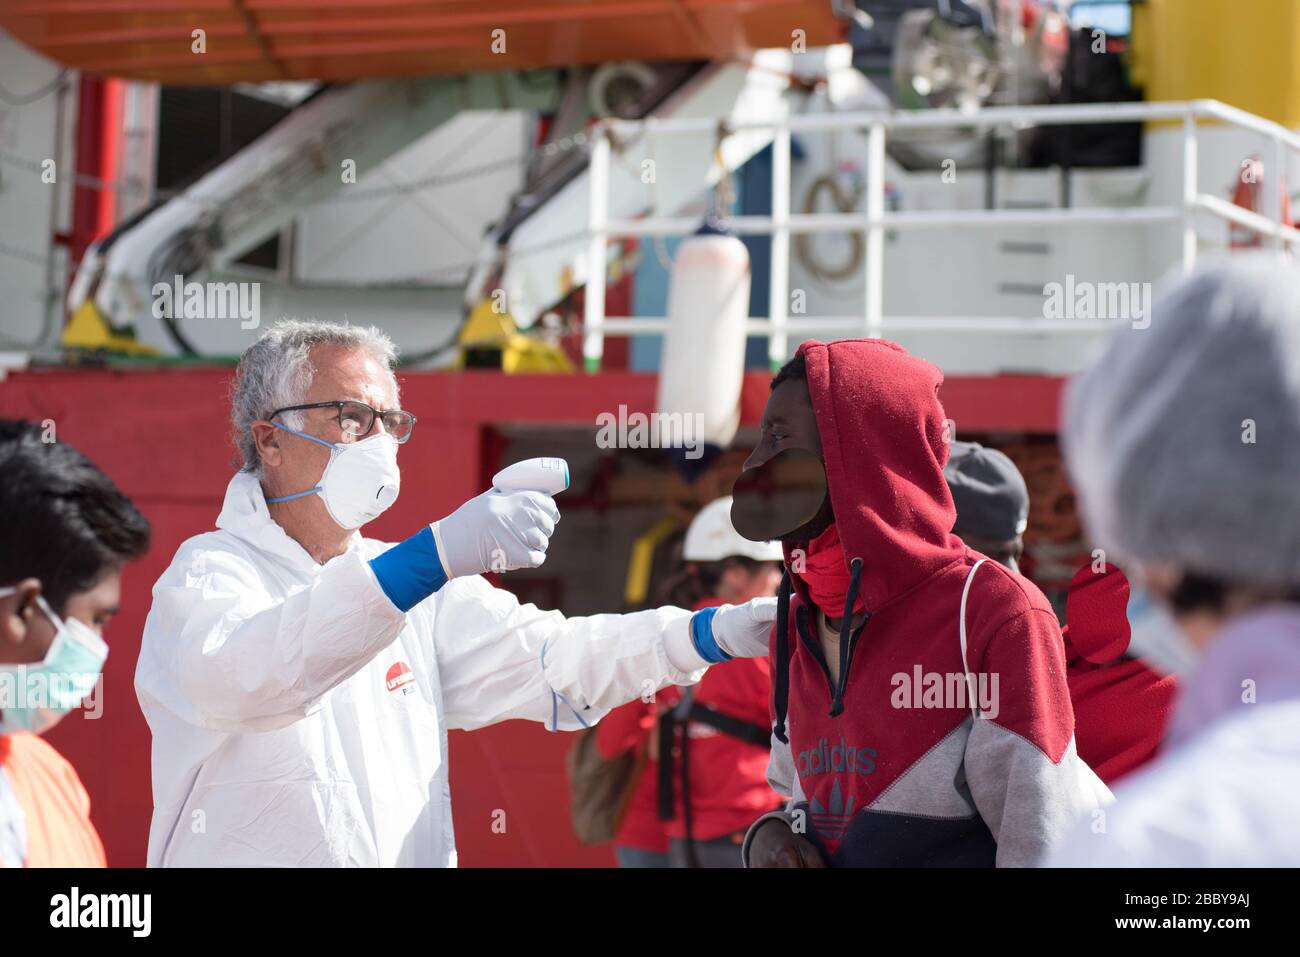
pixel 59 624
pixel 55 620
pixel 781 678
pixel 304 435
pixel 290 498
pixel 41 603
pixel 310 491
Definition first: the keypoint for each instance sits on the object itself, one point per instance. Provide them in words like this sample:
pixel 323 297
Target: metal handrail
pixel 781 224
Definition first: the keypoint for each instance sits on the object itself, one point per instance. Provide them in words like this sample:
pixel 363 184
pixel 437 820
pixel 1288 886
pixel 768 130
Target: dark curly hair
pixel 62 520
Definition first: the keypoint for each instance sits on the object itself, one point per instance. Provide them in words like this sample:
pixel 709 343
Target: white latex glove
pixel 496 532
pixel 742 630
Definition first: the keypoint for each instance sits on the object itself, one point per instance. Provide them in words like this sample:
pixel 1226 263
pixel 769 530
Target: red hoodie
pixel 728 776
pixel 903 774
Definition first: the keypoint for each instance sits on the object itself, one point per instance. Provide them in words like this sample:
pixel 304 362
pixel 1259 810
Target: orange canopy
pixel 264 40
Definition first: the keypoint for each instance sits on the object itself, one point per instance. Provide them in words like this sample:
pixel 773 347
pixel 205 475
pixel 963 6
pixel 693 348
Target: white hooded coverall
pixel 300 718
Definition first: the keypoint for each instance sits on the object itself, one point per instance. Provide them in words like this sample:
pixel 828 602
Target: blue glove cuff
pixel 410 571
pixel 702 637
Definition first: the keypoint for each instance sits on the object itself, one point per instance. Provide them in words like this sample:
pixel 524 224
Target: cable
pixel 14 252
pixel 427 182
pixel 16 99
pixel 343 195
pixel 405 362
pixel 845 202
pixel 32 166
pixel 657 242
pixel 23 255
pixel 47 320
pixel 183 253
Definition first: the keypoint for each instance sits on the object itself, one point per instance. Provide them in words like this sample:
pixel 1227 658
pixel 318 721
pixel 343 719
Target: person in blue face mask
pixel 65 532
pixel 1183 444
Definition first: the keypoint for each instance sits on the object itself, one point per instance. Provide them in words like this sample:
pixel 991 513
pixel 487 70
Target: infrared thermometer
pixel 547 475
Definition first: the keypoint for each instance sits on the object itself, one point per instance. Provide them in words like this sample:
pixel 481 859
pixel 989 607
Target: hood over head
pixel 884 443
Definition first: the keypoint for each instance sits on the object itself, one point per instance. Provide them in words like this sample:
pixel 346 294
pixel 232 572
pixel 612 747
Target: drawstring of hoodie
pixel 846 630
pixel 781 686
pixel 781 680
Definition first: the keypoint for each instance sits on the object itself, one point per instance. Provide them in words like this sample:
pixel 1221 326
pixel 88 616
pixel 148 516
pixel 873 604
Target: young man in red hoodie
pixel 920 698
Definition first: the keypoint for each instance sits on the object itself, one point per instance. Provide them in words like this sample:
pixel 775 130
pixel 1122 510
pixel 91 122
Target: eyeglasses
pixel 357 418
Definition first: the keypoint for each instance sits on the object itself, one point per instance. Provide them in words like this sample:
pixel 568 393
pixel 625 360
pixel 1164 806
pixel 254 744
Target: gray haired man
pixel 300 679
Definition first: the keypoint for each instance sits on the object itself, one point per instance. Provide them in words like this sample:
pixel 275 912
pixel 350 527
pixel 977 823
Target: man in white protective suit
pixel 300 680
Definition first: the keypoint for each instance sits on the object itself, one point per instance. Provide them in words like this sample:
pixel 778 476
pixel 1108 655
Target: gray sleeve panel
pixel 1027 801
pixel 781 776
pixel 932 786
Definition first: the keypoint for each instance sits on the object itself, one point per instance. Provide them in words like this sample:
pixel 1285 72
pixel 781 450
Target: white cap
pixel 712 538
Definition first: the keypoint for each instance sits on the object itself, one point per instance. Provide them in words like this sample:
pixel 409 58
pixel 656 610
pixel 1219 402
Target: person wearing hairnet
pixel 1183 441
pixel 300 680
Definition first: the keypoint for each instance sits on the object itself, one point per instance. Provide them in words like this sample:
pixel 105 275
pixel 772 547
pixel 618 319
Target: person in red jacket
pixel 1122 701
pixel 726 775
pixel 65 533
pixel 920 696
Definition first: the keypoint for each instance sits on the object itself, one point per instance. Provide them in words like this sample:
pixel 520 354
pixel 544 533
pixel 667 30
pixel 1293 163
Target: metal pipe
pixel 1245 217
pixel 1190 191
pixel 757 326
pixel 874 263
pixel 779 279
pixel 1274 183
pixel 984 118
pixel 593 342
pixel 912 219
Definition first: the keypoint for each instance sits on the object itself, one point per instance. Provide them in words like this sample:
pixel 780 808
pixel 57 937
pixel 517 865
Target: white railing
pixel 875 220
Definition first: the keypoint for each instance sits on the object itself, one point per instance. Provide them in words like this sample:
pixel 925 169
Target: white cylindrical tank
pixel 703 359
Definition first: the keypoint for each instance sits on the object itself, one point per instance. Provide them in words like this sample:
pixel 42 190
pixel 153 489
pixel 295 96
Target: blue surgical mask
pixel 35 697
pixel 1156 635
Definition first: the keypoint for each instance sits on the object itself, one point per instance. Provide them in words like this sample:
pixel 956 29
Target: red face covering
pixel 826 573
